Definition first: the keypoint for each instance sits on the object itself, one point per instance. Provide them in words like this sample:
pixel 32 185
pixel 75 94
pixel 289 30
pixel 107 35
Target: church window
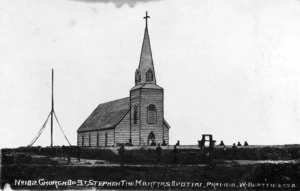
pixel 151 119
pixel 106 139
pixel 149 75
pixel 151 139
pixel 97 139
pixel 137 76
pixel 135 115
pixel 82 140
pixel 89 140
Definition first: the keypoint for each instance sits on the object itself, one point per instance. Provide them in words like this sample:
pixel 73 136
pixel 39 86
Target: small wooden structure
pixel 207 152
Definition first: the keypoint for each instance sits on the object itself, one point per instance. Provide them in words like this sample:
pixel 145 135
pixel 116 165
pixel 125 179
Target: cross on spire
pixel 146 17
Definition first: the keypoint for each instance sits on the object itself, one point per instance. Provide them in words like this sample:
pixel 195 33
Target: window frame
pixel 82 140
pixel 148 73
pixel 148 114
pixel 135 114
pixel 90 140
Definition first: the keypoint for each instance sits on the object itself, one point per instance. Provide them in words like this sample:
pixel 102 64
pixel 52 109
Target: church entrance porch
pixel 151 139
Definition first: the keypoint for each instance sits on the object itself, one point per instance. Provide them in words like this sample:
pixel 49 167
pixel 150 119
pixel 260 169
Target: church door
pixel 151 138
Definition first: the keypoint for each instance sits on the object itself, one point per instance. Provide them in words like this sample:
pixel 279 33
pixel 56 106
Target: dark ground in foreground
pixel 20 166
pixel 48 169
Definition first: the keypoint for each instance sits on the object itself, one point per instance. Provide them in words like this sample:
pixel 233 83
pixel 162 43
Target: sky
pixel 229 68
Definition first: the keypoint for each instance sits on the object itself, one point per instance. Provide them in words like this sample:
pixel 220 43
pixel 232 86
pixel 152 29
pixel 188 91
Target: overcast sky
pixel 229 68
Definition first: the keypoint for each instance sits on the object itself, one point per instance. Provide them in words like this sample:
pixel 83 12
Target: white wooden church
pixel 137 119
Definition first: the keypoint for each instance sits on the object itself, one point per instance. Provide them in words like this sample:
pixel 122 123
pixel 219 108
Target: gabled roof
pixel 106 115
pixel 146 86
pixel 167 124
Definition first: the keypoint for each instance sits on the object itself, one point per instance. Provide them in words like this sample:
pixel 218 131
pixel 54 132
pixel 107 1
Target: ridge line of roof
pixel 101 104
pixel 113 101
pixel 107 128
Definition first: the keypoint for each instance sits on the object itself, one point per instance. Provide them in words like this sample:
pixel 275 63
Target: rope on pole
pixel 40 132
pixel 61 128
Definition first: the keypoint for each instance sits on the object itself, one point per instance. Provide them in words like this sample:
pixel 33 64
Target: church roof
pixel 146 86
pixel 167 124
pixel 106 115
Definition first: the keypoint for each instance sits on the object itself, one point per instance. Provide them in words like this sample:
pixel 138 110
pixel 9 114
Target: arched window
pixel 135 115
pixel 149 75
pixel 137 76
pixel 151 139
pixel 151 119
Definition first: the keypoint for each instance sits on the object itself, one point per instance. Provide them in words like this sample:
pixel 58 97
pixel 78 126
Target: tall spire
pixel 146 67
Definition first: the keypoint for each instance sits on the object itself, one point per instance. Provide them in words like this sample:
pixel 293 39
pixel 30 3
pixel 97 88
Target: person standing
pixel 234 150
pixel 122 155
pixel 158 153
pixel 78 153
pixel 222 143
pixel 175 155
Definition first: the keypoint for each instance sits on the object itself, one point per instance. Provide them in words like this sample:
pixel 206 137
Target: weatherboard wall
pixel 122 130
pixel 140 131
pixel 89 139
pixel 155 97
pixel 135 128
pixel 166 134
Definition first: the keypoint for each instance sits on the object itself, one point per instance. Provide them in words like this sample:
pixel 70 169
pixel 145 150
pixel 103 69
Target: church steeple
pixel 146 100
pixel 145 73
